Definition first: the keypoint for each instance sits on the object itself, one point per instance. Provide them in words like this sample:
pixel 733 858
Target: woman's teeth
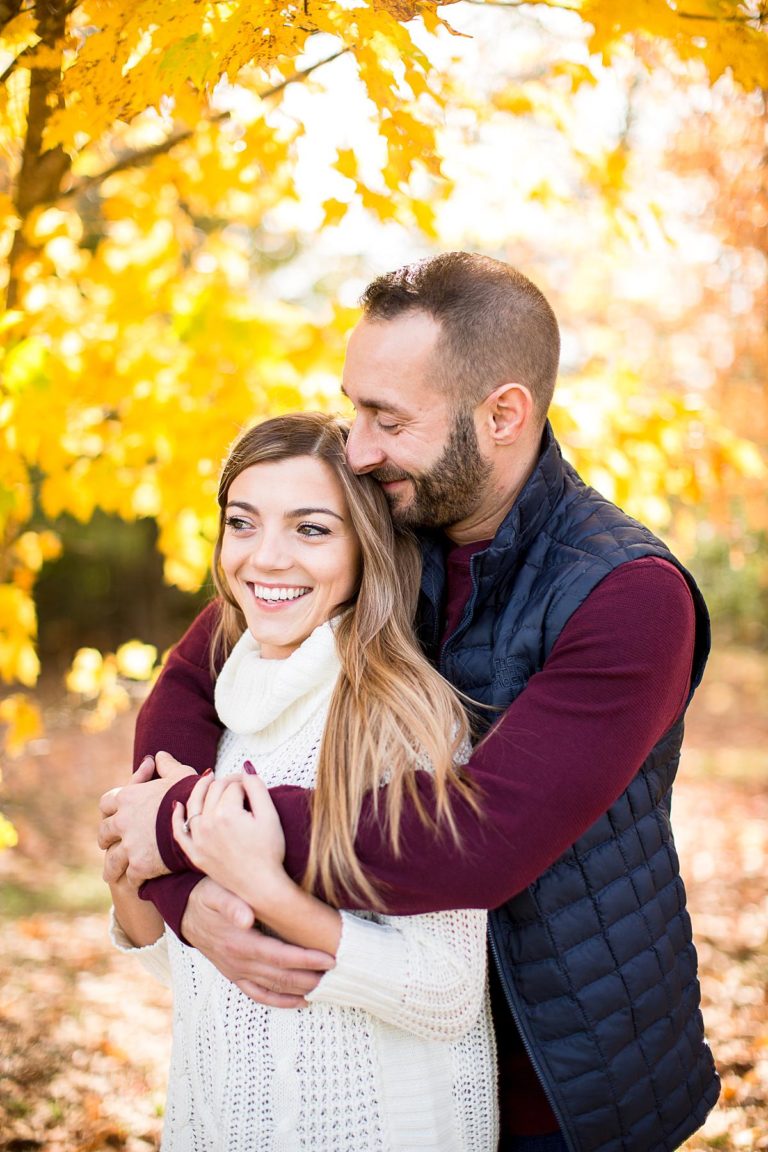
pixel 275 594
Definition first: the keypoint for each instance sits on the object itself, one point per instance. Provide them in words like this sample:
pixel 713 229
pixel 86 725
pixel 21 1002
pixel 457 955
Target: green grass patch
pixel 73 891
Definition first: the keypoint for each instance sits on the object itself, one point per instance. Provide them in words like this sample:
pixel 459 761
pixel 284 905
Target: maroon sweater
pixel 566 748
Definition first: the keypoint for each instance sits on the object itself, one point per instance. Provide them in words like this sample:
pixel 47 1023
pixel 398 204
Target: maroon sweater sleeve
pixel 565 749
pixel 179 717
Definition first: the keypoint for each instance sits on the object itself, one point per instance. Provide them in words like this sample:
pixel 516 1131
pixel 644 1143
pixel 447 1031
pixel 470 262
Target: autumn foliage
pixel 150 174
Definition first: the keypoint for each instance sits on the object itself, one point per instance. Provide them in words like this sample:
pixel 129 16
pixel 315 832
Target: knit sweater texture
pixel 395 1052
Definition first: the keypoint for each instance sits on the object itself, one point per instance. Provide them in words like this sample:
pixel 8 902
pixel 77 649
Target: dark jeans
pixel 553 1143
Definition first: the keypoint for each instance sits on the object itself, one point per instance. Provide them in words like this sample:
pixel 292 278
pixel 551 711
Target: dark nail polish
pixel 207 772
pixel 249 768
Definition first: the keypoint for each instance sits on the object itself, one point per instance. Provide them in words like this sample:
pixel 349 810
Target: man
pixel 582 639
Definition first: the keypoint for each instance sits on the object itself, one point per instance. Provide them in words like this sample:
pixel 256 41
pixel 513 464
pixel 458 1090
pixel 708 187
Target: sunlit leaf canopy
pixel 192 194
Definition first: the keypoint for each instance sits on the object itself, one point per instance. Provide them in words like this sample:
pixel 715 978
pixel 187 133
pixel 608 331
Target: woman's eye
pixel 236 524
pixel 313 530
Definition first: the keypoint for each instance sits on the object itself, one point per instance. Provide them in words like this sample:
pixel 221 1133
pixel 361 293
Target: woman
pixel 323 686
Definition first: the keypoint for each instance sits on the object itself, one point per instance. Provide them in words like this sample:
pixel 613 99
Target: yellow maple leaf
pixel 9 837
pixel 346 163
pixel 23 722
pixel 32 549
pixel 334 212
pixel 381 203
pixel 18 628
pixel 516 100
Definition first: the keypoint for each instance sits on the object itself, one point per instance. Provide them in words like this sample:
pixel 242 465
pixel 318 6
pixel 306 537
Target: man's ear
pixel 507 413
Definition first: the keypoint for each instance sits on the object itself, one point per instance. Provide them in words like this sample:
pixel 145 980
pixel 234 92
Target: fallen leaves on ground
pixel 85 1034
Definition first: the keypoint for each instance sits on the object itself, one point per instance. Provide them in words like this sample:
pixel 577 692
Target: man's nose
pixel 364 453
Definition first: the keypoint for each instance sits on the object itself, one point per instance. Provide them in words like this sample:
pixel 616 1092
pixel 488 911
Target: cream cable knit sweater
pixel 395 1052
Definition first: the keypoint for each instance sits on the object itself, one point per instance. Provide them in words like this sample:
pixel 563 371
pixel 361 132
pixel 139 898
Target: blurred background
pixel 190 206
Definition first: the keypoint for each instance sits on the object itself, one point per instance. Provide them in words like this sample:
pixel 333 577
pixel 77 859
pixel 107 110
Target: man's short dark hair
pixel 496 326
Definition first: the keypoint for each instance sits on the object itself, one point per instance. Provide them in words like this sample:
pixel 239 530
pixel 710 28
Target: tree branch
pixel 144 156
pixel 14 63
pixel 758 19
pixel 137 159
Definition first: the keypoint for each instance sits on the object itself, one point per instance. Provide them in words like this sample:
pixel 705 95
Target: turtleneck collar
pixel 253 693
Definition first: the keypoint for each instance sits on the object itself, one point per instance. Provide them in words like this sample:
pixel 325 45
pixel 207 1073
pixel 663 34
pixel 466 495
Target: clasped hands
pixel 219 836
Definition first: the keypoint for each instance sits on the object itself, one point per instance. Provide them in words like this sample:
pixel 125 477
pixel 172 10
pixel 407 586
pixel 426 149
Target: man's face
pixel 405 433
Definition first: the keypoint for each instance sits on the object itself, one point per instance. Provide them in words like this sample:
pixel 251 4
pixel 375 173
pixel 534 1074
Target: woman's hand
pixel 232 832
pixel 243 849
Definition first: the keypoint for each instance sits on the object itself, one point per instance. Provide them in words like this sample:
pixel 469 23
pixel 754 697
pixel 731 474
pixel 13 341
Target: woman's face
pixel 289 552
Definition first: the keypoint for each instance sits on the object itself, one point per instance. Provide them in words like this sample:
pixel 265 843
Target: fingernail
pixel 148 759
pixel 207 772
pixel 249 768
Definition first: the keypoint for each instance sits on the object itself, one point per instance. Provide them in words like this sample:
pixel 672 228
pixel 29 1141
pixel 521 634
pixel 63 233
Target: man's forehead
pixel 414 326
pixel 390 365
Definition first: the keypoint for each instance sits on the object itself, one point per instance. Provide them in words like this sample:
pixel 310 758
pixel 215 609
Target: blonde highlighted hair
pixel 391 712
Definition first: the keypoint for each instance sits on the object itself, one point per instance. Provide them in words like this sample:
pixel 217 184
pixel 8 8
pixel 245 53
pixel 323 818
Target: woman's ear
pixel 507 413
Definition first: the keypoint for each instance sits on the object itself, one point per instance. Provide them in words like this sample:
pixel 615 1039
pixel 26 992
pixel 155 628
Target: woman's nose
pixel 269 552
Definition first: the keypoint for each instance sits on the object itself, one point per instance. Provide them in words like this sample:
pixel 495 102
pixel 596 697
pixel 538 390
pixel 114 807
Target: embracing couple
pixel 441 676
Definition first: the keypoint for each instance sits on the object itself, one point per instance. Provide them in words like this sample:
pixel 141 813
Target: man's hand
pixel 129 814
pixel 269 971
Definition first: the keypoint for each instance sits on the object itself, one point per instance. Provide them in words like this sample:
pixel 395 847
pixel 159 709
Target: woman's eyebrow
pixel 312 512
pixel 295 514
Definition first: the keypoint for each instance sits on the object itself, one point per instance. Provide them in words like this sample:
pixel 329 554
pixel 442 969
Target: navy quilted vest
pixel 596 957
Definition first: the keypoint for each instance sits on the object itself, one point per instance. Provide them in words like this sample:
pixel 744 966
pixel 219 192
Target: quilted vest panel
pixel 596 957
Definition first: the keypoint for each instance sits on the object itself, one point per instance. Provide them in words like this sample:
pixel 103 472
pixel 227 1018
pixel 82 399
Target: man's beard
pixel 451 489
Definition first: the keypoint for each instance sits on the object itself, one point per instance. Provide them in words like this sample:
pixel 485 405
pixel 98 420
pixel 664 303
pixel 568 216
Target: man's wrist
pixel 172 855
pixel 186 927
pixel 170 895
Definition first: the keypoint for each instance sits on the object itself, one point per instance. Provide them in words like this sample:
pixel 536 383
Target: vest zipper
pixel 516 1017
pixel 466 616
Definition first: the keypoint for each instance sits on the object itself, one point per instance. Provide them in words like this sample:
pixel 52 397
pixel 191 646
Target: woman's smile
pixel 275 595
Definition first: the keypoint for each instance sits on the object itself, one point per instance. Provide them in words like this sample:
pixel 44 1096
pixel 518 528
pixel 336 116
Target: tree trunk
pixel 8 10
pixel 42 172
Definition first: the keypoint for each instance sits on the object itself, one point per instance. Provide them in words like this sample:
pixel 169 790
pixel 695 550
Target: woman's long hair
pixel 391 712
